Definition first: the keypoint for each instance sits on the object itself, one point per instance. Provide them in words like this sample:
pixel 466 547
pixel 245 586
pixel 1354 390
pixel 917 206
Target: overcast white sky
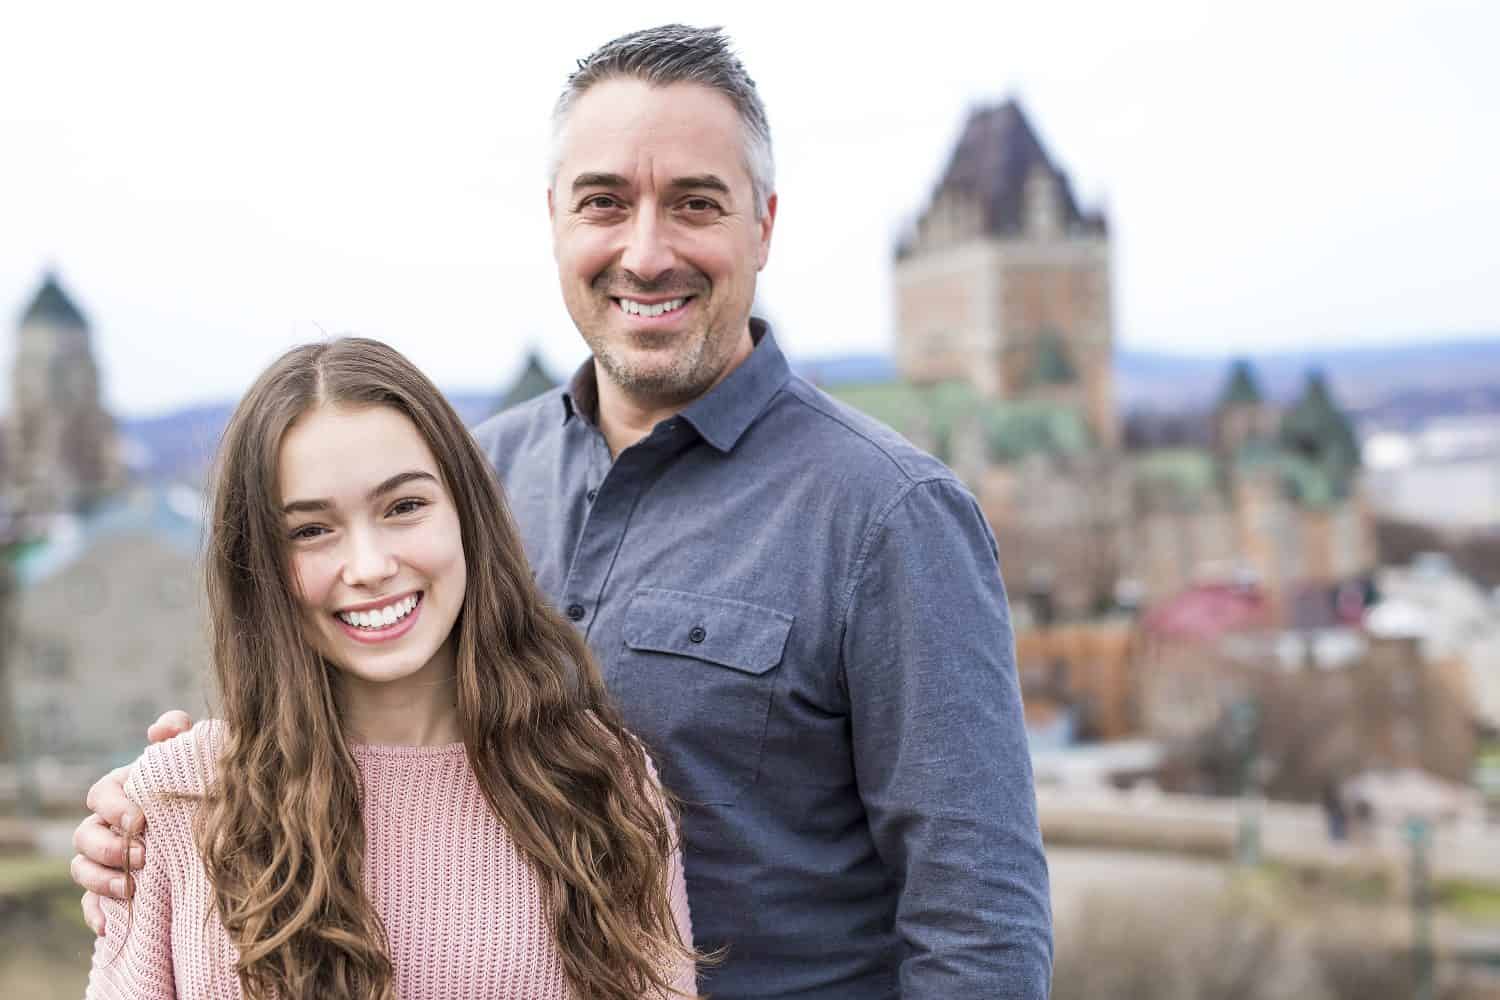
pixel 214 189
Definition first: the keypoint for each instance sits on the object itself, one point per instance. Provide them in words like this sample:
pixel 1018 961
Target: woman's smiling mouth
pixel 381 623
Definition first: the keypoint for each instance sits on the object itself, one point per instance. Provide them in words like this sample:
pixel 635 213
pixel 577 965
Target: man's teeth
pixel 380 617
pixel 654 309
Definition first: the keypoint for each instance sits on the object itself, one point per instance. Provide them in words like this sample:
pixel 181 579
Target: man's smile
pixel 652 310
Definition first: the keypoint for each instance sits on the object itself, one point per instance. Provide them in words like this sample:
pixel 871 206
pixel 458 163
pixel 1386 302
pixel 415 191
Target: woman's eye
pixel 306 532
pixel 409 506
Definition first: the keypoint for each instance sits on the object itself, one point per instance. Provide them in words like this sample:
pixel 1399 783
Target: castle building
pixel 1005 281
pixel 60 449
pixel 1005 352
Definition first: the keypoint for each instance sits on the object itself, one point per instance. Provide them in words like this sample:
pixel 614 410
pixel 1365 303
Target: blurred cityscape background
pixel 1255 579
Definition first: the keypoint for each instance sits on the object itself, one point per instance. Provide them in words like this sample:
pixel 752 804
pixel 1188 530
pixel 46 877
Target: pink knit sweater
pixel 462 910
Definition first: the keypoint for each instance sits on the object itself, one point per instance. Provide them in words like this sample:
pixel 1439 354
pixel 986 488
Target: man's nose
pixel 648 251
pixel 367 559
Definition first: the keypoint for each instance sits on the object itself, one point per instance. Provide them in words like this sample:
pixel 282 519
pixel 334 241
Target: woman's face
pixel 376 553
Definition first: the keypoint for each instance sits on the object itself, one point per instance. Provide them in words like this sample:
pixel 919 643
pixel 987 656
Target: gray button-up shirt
pixel 801 615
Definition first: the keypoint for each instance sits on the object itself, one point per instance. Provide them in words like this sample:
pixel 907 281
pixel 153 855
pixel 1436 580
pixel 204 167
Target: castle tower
pixel 60 447
pixel 1319 433
pixel 1005 282
pixel 532 382
pixel 1242 415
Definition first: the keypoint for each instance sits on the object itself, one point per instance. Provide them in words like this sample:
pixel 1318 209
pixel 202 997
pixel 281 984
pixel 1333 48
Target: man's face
pixel 656 237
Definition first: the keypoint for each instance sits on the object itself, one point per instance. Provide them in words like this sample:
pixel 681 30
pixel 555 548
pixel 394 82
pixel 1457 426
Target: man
pixel 798 612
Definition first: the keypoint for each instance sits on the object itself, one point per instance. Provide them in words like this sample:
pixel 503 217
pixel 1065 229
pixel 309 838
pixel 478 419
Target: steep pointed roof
pixel 52 305
pixel 1241 388
pixel 1318 434
pixel 532 382
pixel 995 155
pixel 1315 416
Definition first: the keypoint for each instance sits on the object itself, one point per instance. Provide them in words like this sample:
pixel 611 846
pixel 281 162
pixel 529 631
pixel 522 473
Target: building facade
pixel 60 452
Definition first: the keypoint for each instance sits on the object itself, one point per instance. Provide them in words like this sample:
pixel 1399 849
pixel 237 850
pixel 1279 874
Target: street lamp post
pixel 1244 717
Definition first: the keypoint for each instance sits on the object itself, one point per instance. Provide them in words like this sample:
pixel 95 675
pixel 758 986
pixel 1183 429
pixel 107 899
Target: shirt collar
pixel 581 397
pixel 721 415
pixel 726 411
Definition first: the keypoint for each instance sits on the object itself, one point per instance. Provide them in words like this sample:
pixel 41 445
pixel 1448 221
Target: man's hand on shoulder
pixel 99 865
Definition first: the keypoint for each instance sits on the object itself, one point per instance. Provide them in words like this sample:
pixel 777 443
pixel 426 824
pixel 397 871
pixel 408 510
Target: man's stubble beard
pixel 696 359
pixel 692 368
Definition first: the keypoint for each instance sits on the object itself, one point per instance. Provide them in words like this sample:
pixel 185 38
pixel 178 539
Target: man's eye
pixel 601 202
pixel 700 205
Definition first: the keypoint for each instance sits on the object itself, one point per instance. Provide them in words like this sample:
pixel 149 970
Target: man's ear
pixel 767 223
pixel 551 206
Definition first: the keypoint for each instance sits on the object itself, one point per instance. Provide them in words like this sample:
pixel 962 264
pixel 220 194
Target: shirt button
pixel 575 611
pixel 591 494
pixel 697 634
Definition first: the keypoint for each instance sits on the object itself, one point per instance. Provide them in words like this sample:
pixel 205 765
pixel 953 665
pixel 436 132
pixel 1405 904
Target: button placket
pixel 604 525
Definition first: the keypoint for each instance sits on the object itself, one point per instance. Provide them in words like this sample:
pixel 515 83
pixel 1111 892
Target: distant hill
pixel 180 445
pixel 1407 379
pixel 1416 379
pixel 1387 384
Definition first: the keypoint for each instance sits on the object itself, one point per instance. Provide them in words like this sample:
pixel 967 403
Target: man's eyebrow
pixel 692 182
pixel 394 482
pixel 700 182
pixel 598 180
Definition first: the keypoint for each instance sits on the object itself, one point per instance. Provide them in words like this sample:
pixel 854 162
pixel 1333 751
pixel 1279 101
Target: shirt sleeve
pixel 133 960
pixel 940 750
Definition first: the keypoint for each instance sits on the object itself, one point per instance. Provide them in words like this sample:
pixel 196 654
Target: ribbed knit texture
pixel 463 913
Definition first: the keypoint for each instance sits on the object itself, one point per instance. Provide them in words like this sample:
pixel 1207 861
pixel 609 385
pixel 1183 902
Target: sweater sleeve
pixel 133 960
pixel 685 974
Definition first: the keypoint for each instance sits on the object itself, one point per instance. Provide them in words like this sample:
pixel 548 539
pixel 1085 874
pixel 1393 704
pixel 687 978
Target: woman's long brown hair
pixel 281 830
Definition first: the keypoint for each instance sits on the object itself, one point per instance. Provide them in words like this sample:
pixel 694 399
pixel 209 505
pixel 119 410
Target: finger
pixel 108 800
pixel 103 846
pixel 93 913
pixel 99 879
pixel 170 724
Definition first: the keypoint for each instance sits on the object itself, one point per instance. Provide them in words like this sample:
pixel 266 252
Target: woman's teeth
pixel 380 617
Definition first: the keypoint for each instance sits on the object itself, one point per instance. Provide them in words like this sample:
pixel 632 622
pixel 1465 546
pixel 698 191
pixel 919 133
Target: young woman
pixel 418 787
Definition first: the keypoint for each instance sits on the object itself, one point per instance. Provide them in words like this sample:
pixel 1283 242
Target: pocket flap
pixel 733 634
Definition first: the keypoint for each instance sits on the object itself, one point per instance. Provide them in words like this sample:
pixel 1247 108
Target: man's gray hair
pixel 676 53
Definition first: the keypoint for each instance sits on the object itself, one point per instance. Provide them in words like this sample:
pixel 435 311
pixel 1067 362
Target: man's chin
pixel 660 375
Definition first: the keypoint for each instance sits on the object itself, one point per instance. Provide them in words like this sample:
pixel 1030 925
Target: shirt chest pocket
pixel 699 674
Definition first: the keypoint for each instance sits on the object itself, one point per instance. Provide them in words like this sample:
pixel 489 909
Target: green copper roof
pixel 1317 432
pixel 1019 428
pixel 52 305
pixel 1188 472
pixel 1242 388
pixel 1310 483
pixel 926 414
pixel 532 382
pixel 932 414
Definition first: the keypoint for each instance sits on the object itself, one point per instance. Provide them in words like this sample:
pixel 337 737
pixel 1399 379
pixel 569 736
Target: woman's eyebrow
pixel 394 482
